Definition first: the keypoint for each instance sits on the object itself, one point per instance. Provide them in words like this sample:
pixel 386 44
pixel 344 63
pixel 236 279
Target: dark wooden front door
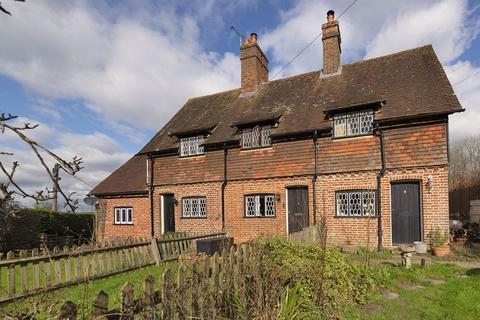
pixel 297 209
pixel 406 213
pixel 169 211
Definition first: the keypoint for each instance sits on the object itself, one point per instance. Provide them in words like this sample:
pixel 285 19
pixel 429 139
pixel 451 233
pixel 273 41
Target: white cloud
pixel 466 123
pixel 101 155
pixel 443 24
pixel 382 27
pixel 137 72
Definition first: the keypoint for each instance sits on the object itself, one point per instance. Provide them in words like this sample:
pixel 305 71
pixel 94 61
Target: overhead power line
pixel 78 178
pixel 465 79
pixel 311 42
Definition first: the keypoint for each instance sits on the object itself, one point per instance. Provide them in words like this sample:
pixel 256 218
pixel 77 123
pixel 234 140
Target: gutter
pixel 150 190
pixel 315 175
pixel 380 174
pixel 224 183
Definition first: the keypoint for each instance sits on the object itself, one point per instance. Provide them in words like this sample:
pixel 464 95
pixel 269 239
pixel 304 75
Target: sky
pixel 102 77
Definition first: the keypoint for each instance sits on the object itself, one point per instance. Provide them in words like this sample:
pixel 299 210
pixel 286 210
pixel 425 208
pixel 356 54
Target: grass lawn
pixel 458 297
pixel 84 293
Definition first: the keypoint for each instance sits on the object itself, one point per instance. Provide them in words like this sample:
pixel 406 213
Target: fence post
pixel 100 305
pixel 11 274
pixel 126 302
pixel 181 302
pixel 166 294
pixel 68 311
pixel 156 252
pixel 148 302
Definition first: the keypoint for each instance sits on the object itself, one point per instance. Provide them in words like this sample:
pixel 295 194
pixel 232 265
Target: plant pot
pixel 420 247
pixel 461 241
pixel 442 250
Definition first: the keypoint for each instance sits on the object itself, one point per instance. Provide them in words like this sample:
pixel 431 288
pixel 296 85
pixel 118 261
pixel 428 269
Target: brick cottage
pixel 362 145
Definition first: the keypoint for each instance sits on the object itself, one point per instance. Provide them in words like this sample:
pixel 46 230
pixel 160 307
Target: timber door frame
pixel 420 205
pixel 162 211
pixel 286 204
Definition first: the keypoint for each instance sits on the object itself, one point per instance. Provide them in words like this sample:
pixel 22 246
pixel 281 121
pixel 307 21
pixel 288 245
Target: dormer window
pixel 350 124
pixel 192 146
pixel 256 137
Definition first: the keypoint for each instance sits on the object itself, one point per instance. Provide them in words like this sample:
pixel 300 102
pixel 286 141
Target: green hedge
pixel 22 229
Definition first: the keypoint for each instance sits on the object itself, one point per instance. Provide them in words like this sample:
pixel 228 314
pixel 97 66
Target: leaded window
pixel 353 124
pixel 194 207
pixel 256 137
pixel 355 203
pixel 123 215
pixel 192 146
pixel 262 205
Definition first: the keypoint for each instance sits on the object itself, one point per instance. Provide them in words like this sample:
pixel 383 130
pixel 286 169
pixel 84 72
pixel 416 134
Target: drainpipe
pixel 151 198
pixel 380 174
pixel 224 183
pixel 315 175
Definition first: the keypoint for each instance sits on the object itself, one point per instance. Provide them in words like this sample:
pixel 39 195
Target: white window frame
pixel 194 207
pixel 359 203
pixel 256 137
pixel 123 215
pixel 269 206
pixel 192 146
pixel 352 124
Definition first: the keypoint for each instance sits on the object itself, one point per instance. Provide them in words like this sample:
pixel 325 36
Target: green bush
pixel 22 229
pixel 324 277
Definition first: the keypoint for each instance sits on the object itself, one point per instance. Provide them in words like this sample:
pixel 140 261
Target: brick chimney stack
pixel 254 64
pixel 331 44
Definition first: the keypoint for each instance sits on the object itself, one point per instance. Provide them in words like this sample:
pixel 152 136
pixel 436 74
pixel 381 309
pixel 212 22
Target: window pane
pixel 353 124
pixel 250 206
pixel 191 146
pixel 117 216
pixel 270 206
pixel 261 208
pixel 355 203
pixel 203 207
pixel 129 215
pixel 266 140
pixel 124 215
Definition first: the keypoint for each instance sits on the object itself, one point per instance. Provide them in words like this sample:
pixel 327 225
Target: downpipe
pixel 315 176
pixel 380 174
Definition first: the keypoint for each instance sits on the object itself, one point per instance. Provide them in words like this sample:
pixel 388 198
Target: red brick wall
pixel 141 217
pixel 212 191
pixel 411 154
pixel 243 229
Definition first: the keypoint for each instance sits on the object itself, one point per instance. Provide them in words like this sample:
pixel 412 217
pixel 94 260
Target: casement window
pixel 355 203
pixel 353 124
pixel 261 205
pixel 194 207
pixel 123 215
pixel 256 137
pixel 192 146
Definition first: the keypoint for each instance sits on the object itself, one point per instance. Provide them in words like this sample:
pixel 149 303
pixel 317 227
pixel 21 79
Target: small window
pixel 194 207
pixel 355 203
pixel 260 205
pixel 353 124
pixel 256 137
pixel 124 215
pixel 192 146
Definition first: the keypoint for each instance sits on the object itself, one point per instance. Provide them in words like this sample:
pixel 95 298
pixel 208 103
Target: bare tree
pixel 465 162
pixel 2 9
pixel 9 187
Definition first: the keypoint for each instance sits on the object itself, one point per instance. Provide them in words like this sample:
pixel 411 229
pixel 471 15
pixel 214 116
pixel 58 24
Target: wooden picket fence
pixel 37 271
pixel 203 291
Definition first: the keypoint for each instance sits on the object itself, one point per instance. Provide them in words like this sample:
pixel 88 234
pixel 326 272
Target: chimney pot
pixel 253 38
pixel 330 16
